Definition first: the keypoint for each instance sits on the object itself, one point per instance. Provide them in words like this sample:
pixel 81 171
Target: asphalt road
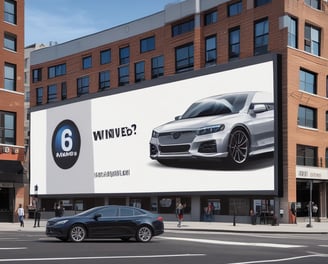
pixel 172 247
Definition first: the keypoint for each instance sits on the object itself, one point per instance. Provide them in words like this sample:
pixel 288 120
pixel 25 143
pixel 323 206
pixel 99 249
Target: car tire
pixel 144 234
pixel 238 147
pixel 77 233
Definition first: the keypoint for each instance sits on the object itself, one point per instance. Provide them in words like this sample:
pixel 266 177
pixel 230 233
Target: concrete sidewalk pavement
pixel 301 227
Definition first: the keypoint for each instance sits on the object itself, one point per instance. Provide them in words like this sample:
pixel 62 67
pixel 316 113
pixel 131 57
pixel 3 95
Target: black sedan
pixel 110 221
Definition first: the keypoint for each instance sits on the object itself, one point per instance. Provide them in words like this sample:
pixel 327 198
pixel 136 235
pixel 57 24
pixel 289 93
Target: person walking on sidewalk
pixel 21 214
pixel 179 213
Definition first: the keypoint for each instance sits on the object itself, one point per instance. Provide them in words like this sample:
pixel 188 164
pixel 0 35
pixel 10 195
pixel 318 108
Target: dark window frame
pixel 56 70
pixel 10 79
pixel 316 4
pixel 10 11
pixel 258 3
pixel 10 41
pixel 234 46
pixel 235 9
pixel 8 128
pixel 39 95
pixel 105 56
pixel 124 55
pixel 210 52
pixel 185 62
pixel 87 62
pixel 123 75
pixel 307 117
pixel 139 71
pixel 183 27
pixel 312 45
pixel 157 66
pixel 36 75
pixel 104 80
pixel 83 84
pixel 147 44
pixel 261 36
pixel 51 93
pixel 292 32
pixel 304 157
pixel 211 17
pixel 305 81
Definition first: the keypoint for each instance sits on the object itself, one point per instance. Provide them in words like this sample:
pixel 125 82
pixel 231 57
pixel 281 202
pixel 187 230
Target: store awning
pixel 11 171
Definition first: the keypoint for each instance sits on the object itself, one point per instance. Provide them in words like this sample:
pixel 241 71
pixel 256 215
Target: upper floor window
pixel 139 69
pixel 235 8
pixel 312 39
pixel 57 70
pixel 82 85
pixel 87 62
pixel 157 67
pixel 124 55
pixel 39 95
pixel 10 77
pixel 7 128
pixel 210 50
pixel 52 93
pixel 261 36
pixel 292 32
pixel 147 44
pixel 10 11
pixel 63 90
pixel 105 56
pixel 123 75
pixel 307 117
pixel 313 3
pixel 36 75
pixel 183 28
pixel 261 2
pixel 104 80
pixel 211 18
pixel 308 81
pixel 306 155
pixel 234 43
pixel 184 58
pixel 10 42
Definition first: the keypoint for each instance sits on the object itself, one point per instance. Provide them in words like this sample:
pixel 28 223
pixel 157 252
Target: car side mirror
pixel 96 216
pixel 177 117
pixel 258 108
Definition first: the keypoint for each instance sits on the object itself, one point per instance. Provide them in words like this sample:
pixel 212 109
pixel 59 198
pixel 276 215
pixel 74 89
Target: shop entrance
pixel 303 198
pixel 6 204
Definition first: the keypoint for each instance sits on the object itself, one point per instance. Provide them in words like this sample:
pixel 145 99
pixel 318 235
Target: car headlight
pixel 210 129
pixel 62 222
pixel 155 134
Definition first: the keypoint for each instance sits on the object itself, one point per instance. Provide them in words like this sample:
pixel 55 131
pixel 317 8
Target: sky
pixel 64 20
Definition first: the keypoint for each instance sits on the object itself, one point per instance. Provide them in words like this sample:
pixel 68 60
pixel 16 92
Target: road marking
pixel 104 257
pixel 14 248
pixel 220 242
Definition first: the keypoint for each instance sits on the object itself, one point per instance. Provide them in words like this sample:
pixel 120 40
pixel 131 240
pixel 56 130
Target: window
pixel 87 62
pixel 55 71
pixel 235 8
pixel 105 56
pixel 308 81
pixel 63 90
pixel 157 67
pixel 211 18
pixel 261 36
pixel 292 32
pixel 139 69
pixel 123 76
pixel 36 75
pixel 258 3
pixel 234 43
pixel 307 155
pixel 10 77
pixel 210 53
pixel 184 58
pixel 27 96
pixel 52 93
pixel 147 44
pixel 313 3
pixel 10 11
pixel 124 55
pixel 104 80
pixel 183 28
pixel 7 128
pixel 39 95
pixel 307 116
pixel 312 39
pixel 82 85
pixel 10 42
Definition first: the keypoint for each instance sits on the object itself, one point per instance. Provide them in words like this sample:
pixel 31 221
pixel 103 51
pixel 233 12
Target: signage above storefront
pixel 311 173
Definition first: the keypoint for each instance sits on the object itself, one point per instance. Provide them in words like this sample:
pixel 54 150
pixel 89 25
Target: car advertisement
pixel 208 133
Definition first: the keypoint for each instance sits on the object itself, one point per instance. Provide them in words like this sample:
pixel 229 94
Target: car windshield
pixel 216 106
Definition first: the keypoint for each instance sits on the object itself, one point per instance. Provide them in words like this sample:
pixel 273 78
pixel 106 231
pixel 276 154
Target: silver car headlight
pixel 210 129
pixel 62 222
pixel 155 134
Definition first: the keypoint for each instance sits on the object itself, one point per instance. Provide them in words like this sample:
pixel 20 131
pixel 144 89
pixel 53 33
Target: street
pixel 175 246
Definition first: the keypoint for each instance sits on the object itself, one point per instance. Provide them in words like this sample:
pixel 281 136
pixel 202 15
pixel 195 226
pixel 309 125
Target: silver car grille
pixel 174 138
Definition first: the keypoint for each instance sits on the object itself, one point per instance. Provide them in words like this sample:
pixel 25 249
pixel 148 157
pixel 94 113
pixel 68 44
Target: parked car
pixel 233 126
pixel 112 221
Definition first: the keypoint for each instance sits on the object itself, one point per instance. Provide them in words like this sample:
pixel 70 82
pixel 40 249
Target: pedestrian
pixel 209 211
pixel 37 213
pixel 179 213
pixel 21 214
pixel 61 209
pixel 253 216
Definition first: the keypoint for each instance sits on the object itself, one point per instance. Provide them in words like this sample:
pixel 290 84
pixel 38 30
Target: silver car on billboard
pixel 233 126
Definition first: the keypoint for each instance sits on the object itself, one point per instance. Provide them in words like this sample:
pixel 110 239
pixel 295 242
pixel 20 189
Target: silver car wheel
pixel 238 146
pixel 77 233
pixel 144 234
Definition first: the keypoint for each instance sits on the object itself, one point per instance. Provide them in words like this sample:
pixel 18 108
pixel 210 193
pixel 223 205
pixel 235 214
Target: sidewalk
pixel 301 228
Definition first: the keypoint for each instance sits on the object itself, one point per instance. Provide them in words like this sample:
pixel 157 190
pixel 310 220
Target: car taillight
pixel 159 218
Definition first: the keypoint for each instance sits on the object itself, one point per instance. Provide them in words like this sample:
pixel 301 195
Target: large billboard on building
pixel 211 132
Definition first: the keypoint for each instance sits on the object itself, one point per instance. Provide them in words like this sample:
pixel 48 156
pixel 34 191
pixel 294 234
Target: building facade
pixel 13 181
pixel 191 36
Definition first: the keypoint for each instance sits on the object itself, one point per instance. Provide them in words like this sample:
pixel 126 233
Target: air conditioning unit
pixel 5 149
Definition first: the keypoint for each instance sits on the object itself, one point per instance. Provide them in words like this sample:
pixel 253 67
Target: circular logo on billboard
pixel 66 142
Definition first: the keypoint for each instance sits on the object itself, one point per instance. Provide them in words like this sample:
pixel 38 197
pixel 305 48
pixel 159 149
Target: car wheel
pixel 144 234
pixel 238 146
pixel 77 233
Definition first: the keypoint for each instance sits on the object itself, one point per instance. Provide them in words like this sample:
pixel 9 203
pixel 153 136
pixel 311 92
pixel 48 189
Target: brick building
pixel 194 35
pixel 13 182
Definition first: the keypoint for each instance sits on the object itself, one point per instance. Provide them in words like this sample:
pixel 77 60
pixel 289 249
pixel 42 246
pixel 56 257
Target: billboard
pixel 213 132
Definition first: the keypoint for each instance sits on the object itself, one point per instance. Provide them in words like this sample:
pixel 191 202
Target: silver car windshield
pixel 216 106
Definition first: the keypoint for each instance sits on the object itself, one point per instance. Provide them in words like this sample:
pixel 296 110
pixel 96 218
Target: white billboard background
pixel 123 161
